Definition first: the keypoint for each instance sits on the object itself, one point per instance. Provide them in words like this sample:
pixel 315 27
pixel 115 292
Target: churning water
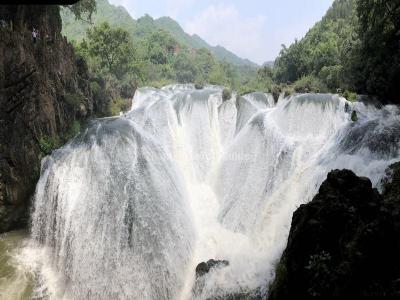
pixel 129 207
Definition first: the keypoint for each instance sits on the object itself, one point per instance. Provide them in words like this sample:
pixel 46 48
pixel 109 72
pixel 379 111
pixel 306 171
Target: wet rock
pixel 344 242
pixel 226 94
pixel 205 267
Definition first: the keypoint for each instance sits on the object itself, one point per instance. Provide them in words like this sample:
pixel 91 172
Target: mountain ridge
pixel 119 16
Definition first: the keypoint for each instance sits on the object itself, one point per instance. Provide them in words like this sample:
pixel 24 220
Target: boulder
pixel 205 267
pixel 345 242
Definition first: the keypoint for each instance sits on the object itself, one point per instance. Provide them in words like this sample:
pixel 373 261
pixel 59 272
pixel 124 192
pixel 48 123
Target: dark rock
pixel 205 267
pixel 226 94
pixel 34 79
pixel 198 86
pixel 345 242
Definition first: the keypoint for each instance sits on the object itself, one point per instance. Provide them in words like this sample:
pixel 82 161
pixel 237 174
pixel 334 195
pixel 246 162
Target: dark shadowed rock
pixel 345 242
pixel 36 82
pixel 205 267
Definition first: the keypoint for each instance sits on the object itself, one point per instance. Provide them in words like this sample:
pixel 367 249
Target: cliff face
pixel 345 242
pixel 44 91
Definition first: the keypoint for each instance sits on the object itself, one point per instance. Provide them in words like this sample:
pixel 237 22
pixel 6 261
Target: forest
pixel 346 52
pixel 247 181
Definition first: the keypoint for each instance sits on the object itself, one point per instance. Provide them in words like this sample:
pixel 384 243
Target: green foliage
pixel 83 10
pixel 95 87
pixel 347 50
pixel 46 145
pixel 160 83
pixel 118 105
pixel 354 47
pixel 331 76
pixel 185 67
pixel 319 52
pixel 111 47
pixel 72 131
pixel 245 90
pixel 378 66
pixel 309 84
pixel 74 100
pixel 117 16
pixel 350 96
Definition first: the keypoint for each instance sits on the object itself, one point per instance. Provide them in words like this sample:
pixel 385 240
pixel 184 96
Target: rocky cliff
pixel 44 95
pixel 345 242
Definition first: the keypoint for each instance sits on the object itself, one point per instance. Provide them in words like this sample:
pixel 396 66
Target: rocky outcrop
pixel 345 242
pixel 205 267
pixel 44 91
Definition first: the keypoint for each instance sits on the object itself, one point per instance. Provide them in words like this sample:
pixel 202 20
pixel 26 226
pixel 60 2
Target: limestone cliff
pixel 44 90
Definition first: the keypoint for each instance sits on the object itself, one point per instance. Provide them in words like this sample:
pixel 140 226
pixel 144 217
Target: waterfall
pixel 129 207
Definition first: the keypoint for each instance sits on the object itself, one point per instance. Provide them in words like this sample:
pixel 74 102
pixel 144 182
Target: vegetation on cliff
pixel 162 51
pixel 354 47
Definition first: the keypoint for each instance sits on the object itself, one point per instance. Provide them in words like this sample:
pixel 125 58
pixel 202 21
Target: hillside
pixel 196 42
pixel 319 52
pixel 118 16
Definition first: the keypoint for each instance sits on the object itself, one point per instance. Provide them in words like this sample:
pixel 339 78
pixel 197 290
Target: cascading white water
pixel 131 206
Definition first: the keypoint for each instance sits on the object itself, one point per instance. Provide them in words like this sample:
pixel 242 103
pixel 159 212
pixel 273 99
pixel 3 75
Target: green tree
pixel 185 68
pixel 378 63
pixel 112 47
pixel 83 9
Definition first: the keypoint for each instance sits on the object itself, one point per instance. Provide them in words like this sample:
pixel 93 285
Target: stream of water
pixel 129 207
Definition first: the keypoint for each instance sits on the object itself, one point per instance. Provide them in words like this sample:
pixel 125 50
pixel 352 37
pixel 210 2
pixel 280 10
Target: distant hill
pixel 196 42
pixel 269 64
pixel 118 16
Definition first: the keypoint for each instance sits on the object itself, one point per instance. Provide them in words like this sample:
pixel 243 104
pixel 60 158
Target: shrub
pixel 309 84
pixel 73 130
pixel 350 96
pixel 74 100
pixel 245 90
pixel 95 87
pixel 226 94
pixel 46 144
pixel 331 76
pixel 118 105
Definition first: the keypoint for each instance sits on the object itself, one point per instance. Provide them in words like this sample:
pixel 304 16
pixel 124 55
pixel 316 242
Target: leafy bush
pixel 331 76
pixel 95 87
pixel 118 105
pixel 226 94
pixel 73 130
pixel 245 90
pixel 350 96
pixel 46 144
pixel 74 100
pixel 309 84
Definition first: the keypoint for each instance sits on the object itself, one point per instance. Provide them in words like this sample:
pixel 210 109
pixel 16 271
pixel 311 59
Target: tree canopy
pixel 111 47
pixel 83 9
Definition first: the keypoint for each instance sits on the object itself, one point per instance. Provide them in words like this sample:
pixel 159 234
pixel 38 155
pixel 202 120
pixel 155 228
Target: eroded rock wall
pixel 44 89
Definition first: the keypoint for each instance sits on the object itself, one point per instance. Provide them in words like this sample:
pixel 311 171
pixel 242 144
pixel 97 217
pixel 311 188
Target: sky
pixel 253 29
